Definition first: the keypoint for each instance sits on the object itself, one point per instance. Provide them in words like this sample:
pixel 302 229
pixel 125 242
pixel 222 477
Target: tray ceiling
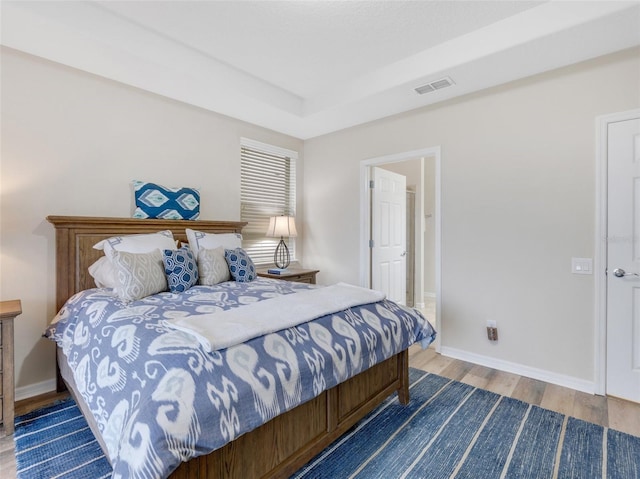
pixel 306 68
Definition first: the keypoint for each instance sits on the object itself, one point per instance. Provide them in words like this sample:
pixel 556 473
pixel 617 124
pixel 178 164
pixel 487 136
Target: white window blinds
pixel 267 188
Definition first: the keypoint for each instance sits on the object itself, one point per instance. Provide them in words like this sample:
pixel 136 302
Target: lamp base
pixel 281 256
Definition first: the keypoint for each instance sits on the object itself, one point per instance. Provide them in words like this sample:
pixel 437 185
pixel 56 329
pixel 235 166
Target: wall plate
pixel 582 265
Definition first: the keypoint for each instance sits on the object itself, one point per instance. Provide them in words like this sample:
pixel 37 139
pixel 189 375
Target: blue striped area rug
pixel 448 430
pixel 56 442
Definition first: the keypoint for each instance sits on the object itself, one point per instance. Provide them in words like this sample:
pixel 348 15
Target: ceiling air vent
pixel 435 85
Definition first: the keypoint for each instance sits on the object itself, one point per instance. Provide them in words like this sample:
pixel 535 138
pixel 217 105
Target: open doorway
pixel 422 170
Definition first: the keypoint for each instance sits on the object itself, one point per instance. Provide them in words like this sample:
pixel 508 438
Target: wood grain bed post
pixel 64 275
pixel 403 375
pixel 64 281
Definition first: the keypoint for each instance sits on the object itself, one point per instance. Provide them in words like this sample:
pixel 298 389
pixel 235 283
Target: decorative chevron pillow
pixel 212 266
pixel 240 264
pixel 181 269
pixel 138 274
pixel 157 201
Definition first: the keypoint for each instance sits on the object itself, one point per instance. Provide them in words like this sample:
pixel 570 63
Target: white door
pixel 388 252
pixel 623 260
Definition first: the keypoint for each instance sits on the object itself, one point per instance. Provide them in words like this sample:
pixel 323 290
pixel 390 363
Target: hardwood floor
pixel 606 411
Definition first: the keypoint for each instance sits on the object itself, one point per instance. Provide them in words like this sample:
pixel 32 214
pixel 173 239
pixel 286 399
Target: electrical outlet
pixel 492 330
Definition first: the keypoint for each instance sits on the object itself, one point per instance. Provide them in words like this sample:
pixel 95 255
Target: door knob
pixel 620 273
pixel 404 253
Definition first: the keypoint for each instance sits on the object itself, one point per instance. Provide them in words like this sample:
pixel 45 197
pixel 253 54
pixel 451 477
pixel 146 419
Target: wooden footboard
pixel 280 447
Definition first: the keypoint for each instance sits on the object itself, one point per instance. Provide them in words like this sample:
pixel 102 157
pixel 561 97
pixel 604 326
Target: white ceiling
pixel 306 68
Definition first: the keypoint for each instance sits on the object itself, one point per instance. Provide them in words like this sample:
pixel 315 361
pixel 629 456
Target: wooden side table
pixel 298 275
pixel 8 312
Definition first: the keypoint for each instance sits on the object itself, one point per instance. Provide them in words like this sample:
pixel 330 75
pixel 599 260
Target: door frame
pixel 600 254
pixel 365 219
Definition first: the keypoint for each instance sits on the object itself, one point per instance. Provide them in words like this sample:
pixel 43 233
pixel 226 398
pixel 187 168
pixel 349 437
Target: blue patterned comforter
pixel 155 393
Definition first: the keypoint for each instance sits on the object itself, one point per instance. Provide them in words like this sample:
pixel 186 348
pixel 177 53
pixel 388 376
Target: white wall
pixel 517 194
pixel 71 144
pixel 517 203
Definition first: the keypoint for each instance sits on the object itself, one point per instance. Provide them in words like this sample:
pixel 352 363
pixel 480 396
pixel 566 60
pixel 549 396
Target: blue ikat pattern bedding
pixel 155 393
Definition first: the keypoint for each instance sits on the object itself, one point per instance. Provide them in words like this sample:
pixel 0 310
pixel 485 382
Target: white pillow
pixel 139 274
pixel 212 266
pixel 103 273
pixel 142 243
pixel 199 239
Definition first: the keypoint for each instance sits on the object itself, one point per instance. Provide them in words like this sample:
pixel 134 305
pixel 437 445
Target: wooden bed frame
pixel 284 444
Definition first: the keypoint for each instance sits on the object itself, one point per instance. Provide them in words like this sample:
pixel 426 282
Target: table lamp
pixel 282 226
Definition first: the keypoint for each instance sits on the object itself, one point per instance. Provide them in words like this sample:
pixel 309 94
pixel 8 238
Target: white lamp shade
pixel 282 226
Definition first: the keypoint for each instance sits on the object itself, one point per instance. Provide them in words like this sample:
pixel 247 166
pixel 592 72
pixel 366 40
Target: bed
pixel 286 436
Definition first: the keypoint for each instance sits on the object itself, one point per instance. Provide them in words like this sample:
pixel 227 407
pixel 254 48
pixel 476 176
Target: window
pixel 267 188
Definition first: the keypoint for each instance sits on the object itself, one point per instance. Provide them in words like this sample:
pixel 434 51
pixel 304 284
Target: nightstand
pixel 8 312
pixel 298 275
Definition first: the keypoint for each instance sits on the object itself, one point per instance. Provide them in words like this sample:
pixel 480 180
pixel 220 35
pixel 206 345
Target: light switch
pixel 581 265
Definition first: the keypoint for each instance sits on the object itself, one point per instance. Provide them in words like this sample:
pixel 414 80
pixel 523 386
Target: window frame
pixel 255 242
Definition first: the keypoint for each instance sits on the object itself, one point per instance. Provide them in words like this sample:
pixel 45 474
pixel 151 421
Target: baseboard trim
pixel 36 389
pixel 521 370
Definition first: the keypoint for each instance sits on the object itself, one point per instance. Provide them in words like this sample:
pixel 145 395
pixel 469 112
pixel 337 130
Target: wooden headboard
pixel 76 235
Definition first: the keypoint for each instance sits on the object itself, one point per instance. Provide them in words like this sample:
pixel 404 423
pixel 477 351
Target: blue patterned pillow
pixel 181 269
pixel 240 264
pixel 156 201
